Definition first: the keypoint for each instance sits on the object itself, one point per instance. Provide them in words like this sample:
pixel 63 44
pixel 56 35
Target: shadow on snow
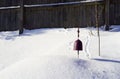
pixel 11 35
pixel 107 60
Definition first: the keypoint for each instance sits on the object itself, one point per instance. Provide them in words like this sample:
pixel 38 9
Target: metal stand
pixel 78 53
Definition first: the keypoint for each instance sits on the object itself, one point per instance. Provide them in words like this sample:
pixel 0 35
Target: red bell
pixel 78 45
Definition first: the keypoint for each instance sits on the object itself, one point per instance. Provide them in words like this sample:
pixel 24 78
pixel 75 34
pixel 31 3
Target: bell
pixel 78 45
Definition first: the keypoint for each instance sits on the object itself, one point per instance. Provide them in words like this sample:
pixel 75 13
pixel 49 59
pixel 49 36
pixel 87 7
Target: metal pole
pixel 97 25
pixel 78 31
pixel 78 53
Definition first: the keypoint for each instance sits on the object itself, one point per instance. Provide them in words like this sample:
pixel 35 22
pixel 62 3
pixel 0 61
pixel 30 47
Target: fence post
pixel 21 16
pixel 107 7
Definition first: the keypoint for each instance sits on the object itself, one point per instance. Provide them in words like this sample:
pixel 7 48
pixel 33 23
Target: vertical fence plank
pixel 21 17
pixel 107 7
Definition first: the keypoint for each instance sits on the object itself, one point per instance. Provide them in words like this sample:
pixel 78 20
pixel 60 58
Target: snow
pixel 61 3
pixel 51 4
pixel 48 54
pixel 10 7
pixel 91 0
pixel 56 4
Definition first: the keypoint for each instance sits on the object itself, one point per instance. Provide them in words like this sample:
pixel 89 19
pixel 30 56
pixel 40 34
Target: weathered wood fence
pixel 32 14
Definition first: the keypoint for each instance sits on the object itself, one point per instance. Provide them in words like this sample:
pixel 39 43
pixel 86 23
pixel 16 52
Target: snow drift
pixel 56 67
pixel 48 54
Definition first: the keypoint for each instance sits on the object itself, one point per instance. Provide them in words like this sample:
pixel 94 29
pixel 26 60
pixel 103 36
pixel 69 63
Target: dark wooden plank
pixel 107 11
pixel 21 16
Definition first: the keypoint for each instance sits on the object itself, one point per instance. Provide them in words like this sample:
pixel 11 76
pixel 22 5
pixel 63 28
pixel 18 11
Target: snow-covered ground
pixel 48 54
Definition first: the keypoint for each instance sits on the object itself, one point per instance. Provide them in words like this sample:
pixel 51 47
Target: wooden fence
pixel 16 15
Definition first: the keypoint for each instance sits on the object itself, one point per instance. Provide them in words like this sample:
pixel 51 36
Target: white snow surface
pixel 91 0
pixel 48 54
